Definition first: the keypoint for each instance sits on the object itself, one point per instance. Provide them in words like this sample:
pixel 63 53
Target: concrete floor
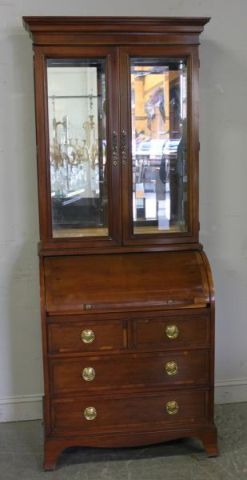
pixel 21 455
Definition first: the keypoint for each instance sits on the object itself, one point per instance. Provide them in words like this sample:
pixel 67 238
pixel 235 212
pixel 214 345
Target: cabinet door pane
pixel 159 145
pixel 77 141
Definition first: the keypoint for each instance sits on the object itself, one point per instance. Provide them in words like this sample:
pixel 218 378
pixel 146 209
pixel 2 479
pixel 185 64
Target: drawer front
pixel 102 414
pixel 87 336
pixel 133 370
pixel 174 332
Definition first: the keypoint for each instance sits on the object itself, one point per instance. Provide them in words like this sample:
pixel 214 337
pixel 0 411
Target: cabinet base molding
pixel 55 446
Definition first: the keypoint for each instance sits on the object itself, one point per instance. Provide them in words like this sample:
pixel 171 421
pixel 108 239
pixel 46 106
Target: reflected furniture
pixel 127 298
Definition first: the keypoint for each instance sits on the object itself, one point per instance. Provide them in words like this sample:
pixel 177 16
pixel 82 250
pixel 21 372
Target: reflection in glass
pixel 77 134
pixel 159 140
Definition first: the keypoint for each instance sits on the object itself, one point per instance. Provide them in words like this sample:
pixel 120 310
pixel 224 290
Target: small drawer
pixel 140 412
pixel 91 373
pixel 87 336
pixel 173 331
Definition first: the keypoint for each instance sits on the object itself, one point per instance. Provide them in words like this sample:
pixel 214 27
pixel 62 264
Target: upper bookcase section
pixel 117 121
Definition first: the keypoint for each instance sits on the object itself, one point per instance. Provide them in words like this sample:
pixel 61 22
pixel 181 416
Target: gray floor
pixel 21 455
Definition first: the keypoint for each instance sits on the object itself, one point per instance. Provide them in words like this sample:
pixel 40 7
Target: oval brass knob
pixel 88 374
pixel 90 413
pixel 172 332
pixel 87 336
pixel 171 368
pixel 172 407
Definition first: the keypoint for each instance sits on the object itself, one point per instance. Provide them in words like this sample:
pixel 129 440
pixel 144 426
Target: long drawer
pixel 123 371
pixel 120 413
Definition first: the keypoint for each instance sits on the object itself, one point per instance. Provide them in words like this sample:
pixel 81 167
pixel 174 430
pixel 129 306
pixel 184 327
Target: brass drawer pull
pixel 90 413
pixel 88 374
pixel 172 407
pixel 172 332
pixel 171 368
pixel 87 336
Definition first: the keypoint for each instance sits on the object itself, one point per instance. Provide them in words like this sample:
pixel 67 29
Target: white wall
pixel 223 178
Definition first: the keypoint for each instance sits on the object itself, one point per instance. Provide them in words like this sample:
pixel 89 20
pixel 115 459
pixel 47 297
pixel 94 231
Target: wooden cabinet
pixel 127 298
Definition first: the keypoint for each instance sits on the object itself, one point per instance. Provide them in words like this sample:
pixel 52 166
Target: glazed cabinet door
pixel 77 110
pixel 159 144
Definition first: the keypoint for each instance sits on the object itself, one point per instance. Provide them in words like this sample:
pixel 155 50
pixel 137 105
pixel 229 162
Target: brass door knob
pixel 87 336
pixel 172 332
pixel 90 413
pixel 171 368
pixel 172 407
pixel 88 374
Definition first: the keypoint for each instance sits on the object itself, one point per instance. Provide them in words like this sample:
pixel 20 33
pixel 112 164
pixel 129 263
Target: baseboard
pixel 26 407
pixel 231 391
pixel 29 407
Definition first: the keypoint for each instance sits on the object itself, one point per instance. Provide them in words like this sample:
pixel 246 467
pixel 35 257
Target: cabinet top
pixel 115 24
pixel 114 30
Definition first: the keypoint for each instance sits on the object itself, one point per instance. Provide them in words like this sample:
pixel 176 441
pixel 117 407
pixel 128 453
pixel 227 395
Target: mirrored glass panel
pixel 77 136
pixel 159 145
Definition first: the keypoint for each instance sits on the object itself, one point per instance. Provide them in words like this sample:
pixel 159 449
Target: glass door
pixel 156 119
pixel 82 145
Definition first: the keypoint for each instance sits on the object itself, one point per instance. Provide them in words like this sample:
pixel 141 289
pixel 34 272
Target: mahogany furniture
pixel 127 298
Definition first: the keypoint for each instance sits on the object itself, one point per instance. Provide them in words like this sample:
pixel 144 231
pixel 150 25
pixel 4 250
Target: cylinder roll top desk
pixel 127 299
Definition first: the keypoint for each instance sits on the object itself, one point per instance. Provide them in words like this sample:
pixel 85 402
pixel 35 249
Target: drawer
pixel 122 413
pixel 120 372
pixel 87 336
pixel 172 332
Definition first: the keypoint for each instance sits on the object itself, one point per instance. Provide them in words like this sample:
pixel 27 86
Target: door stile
pixel 114 142
pixel 125 143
